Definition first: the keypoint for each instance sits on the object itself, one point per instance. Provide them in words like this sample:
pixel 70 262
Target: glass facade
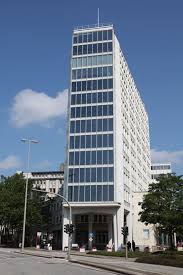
pixel 91 145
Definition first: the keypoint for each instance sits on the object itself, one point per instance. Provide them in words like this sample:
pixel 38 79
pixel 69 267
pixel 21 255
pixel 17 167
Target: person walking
pixel 133 245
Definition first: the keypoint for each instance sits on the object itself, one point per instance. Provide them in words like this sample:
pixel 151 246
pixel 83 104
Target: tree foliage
pixel 163 204
pixel 12 193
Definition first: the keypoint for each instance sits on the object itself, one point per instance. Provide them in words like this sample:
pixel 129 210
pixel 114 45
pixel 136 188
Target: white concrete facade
pixel 158 169
pixel 131 145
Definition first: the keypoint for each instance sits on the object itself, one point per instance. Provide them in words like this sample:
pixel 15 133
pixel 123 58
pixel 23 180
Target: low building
pixel 158 169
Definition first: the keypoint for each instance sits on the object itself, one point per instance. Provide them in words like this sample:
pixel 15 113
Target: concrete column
pixel 90 230
pixel 110 239
pixel 115 235
pixel 120 222
pixel 65 221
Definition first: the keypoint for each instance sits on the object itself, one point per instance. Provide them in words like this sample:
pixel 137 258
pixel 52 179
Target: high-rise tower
pixel 108 153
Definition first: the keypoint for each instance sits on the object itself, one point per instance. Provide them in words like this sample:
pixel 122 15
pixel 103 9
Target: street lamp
pixel 29 141
pixel 70 216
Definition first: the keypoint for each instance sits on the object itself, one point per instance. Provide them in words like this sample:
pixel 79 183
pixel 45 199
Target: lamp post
pixel 70 216
pixel 29 141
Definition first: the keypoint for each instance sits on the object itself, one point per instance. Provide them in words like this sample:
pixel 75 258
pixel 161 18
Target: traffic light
pixel 68 229
pixel 124 231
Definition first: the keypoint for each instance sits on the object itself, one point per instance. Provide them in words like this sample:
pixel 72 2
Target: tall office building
pixel 108 153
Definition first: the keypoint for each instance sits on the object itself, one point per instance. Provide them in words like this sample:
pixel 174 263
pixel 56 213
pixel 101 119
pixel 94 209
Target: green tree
pixel 12 192
pixel 163 205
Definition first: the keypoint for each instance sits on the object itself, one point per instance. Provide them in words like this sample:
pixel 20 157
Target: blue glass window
pixel 83 85
pixel 99 71
pixel 105 128
pixel 82 157
pixel 88 98
pixel 94 97
pixel 105 141
pixel 99 157
pixel 93 157
pixel 71 142
pixel 81 193
pixel 105 157
pixel 105 192
pixel 88 111
pixel 87 157
pixel 111 174
pixel 73 74
pixel 109 34
pixel 109 46
pixel 80 38
pixel 100 109
pixel 99 47
pixel 110 140
pixel 104 84
pixel 88 141
pixel 83 126
pixel 72 112
pixel 84 49
pixel 100 84
pixel 74 62
pixel 88 126
pixel 71 158
pixel 99 97
pixel 94 36
pixel 78 99
pixel 110 110
pixel 93 141
pixel 75 39
pixel 94 84
pixel 78 111
pixel 94 60
pixel 93 192
pixel 87 174
pixel 93 174
pixel 73 99
pixel 89 73
pixel 110 156
pixel 82 142
pixel 110 83
pixel 72 126
pixel 70 193
pixel 90 37
pixel 89 60
pixel 94 48
pixel 99 192
pixel 82 175
pixel 76 161
pixel 89 85
pixel 110 124
pixel 75 50
pixel 83 111
pixel 100 36
pixel 83 98
pixel 77 141
pixel 104 96
pixel 104 110
pixel 99 140
pixel 105 174
pixel 99 174
pixel 89 48
pixel 104 47
pixel 79 74
pixel 71 175
pixel 76 175
pixel 84 75
pixel 73 86
pixel 99 125
pixel 78 86
pixel 111 193
pixel 104 71
pixel 94 72
pixel 109 71
pixel 110 97
pixel 78 126
pixel 80 50
pixel 94 125
pixel 79 62
pixel 87 192
pixel 84 37
pixel 75 193
pixel 94 111
pixel 104 35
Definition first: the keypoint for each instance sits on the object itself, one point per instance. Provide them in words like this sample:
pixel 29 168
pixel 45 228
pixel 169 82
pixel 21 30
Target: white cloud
pixel 45 164
pixel 174 157
pixel 37 107
pixel 10 162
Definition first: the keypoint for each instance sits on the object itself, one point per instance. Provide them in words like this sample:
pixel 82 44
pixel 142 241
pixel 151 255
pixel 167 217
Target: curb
pixel 99 266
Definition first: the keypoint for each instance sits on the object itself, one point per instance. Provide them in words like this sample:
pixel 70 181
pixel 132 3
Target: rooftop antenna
pixel 98 17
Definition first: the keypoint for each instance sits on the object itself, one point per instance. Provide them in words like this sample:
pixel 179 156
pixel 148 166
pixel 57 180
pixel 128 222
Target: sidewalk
pixel 113 264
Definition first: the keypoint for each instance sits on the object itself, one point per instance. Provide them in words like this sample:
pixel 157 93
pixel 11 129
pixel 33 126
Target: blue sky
pixel 35 44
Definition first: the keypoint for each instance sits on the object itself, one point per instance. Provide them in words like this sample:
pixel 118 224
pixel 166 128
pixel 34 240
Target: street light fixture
pixel 29 141
pixel 70 216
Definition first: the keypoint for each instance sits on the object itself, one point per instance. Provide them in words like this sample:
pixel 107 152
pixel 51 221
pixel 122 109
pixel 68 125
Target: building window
pixel 146 234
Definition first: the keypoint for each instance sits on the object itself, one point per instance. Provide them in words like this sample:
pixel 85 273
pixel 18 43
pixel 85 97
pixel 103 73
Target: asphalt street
pixel 17 264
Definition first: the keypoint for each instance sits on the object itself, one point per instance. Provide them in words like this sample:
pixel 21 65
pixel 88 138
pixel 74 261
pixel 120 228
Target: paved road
pixel 17 264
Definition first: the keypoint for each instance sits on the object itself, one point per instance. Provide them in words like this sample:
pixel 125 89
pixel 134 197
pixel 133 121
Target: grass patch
pixel 166 258
pixel 117 254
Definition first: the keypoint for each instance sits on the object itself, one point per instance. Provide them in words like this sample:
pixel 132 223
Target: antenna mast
pixel 98 17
